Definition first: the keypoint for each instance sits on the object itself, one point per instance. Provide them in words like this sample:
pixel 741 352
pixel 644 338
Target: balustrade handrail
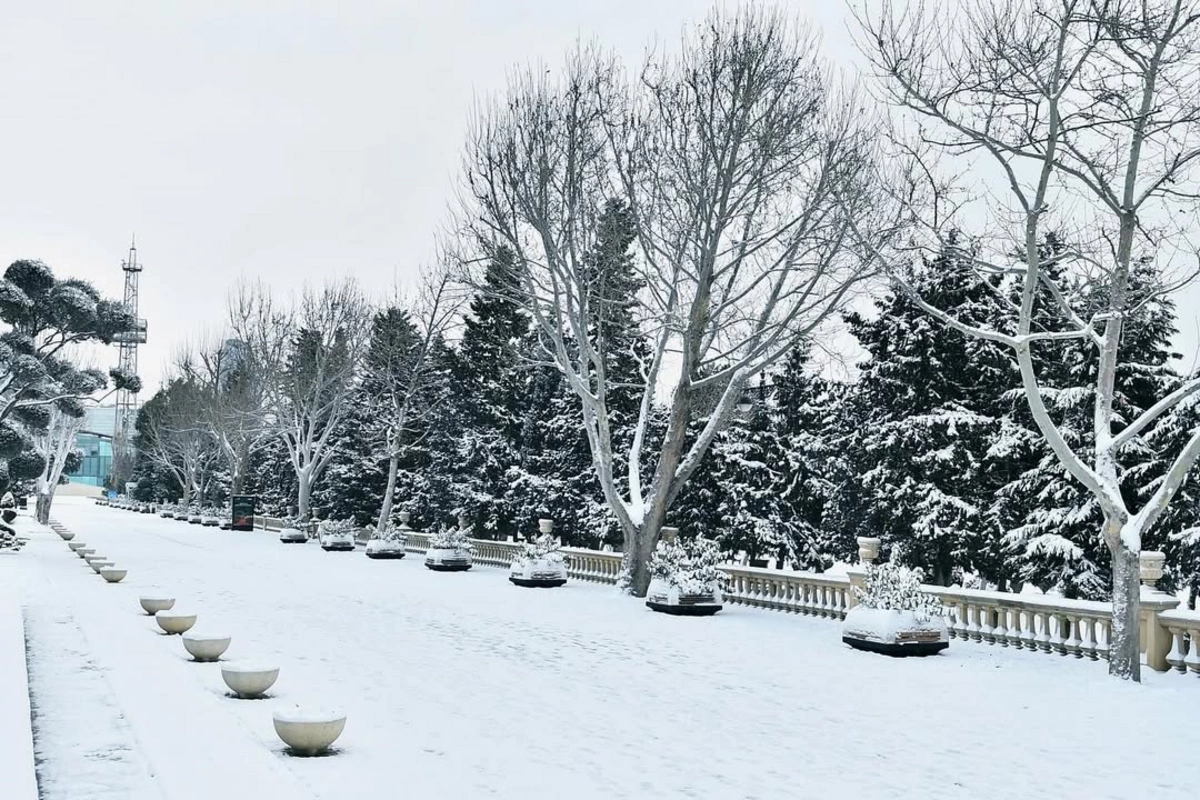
pixel 1033 602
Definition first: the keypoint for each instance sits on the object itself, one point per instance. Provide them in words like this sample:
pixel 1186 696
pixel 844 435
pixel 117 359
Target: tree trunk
pixel 304 482
pixel 42 509
pixel 385 511
pixel 1124 651
pixel 636 563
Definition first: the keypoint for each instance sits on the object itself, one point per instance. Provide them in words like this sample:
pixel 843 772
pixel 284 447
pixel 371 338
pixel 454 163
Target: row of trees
pixel 643 256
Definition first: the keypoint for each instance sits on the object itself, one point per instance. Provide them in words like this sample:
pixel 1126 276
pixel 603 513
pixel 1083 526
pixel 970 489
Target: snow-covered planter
pixel 894 616
pixel 449 550
pixel 113 575
pixel 205 647
pixel 249 680
pixel 337 534
pixel 175 622
pixel 167 512
pixel 292 532
pixel 541 563
pixel 194 517
pixel 685 578
pixel 152 604
pixel 391 542
pixel 210 517
pixel 309 732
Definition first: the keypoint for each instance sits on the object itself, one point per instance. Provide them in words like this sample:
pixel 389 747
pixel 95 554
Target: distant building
pixel 94 440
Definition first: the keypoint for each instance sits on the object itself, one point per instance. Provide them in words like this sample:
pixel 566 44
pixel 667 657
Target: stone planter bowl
pixel 84 552
pixel 152 605
pixel 112 574
pixel 98 564
pixel 76 545
pixel 172 621
pixel 249 680
pixel 66 535
pixel 309 732
pixel 205 647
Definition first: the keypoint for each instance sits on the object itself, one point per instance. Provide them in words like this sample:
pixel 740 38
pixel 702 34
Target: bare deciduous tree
pixel 310 361
pixel 54 444
pixel 731 157
pixel 399 369
pixel 1088 113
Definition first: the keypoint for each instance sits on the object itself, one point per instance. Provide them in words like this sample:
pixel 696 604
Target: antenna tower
pixel 128 342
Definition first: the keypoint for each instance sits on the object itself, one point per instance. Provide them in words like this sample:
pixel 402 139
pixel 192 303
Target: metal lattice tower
pixel 128 342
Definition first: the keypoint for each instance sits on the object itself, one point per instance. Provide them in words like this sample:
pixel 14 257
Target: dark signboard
pixel 243 512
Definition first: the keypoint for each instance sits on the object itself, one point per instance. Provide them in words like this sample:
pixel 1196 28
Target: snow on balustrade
pixel 1079 628
pixel 1184 628
pixel 808 593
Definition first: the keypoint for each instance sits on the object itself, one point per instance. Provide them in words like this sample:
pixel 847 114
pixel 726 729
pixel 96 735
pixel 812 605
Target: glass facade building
pixel 95 442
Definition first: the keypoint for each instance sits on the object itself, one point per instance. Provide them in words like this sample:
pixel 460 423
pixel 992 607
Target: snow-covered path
pixel 462 686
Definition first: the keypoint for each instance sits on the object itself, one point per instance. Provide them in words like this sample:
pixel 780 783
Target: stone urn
pixel 174 622
pixel 152 604
pixel 249 680
pixel 205 647
pixel 309 732
pixel 112 574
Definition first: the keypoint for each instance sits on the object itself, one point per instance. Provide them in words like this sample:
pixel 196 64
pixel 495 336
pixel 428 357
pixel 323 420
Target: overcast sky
pixel 285 140
pixel 288 141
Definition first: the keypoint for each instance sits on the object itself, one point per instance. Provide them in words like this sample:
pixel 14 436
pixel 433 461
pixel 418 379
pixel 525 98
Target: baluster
pixel 1073 641
pixel 1087 636
pixel 1015 630
pixel 959 629
pixel 1000 631
pixel 1178 649
pixel 1103 636
pixel 989 615
pixel 973 631
pixel 1029 632
pixel 1192 660
pixel 1043 634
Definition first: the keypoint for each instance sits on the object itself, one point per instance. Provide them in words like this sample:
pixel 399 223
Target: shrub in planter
pixel 337 534
pixel 450 550
pixel 293 531
pixel 210 517
pixel 894 616
pixel 391 541
pixel 194 517
pixel 685 577
pixel 541 562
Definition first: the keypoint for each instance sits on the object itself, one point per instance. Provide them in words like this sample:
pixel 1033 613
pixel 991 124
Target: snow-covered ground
pixel 459 685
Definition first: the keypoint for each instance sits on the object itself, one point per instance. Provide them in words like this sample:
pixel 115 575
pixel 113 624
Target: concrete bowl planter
pixel 66 536
pixel 98 564
pixel 75 546
pixel 174 622
pixel 112 574
pixel 385 548
pixel 447 560
pixel 309 732
pixel 666 598
pixel 84 552
pixel 293 536
pixel 152 604
pixel 894 632
pixel 249 681
pixel 205 647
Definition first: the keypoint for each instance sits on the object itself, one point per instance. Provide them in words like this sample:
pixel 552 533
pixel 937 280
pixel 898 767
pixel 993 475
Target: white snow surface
pixel 459 685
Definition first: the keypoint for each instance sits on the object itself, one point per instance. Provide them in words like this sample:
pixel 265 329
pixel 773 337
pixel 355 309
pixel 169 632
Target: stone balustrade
pixel 809 593
pixel 1184 630
pixel 1078 628
pixel 1031 622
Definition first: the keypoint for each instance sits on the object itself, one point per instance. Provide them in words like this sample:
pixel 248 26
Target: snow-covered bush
pixel 391 534
pixel 692 566
pixel 891 587
pixel 451 539
pixel 546 548
pixel 337 527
